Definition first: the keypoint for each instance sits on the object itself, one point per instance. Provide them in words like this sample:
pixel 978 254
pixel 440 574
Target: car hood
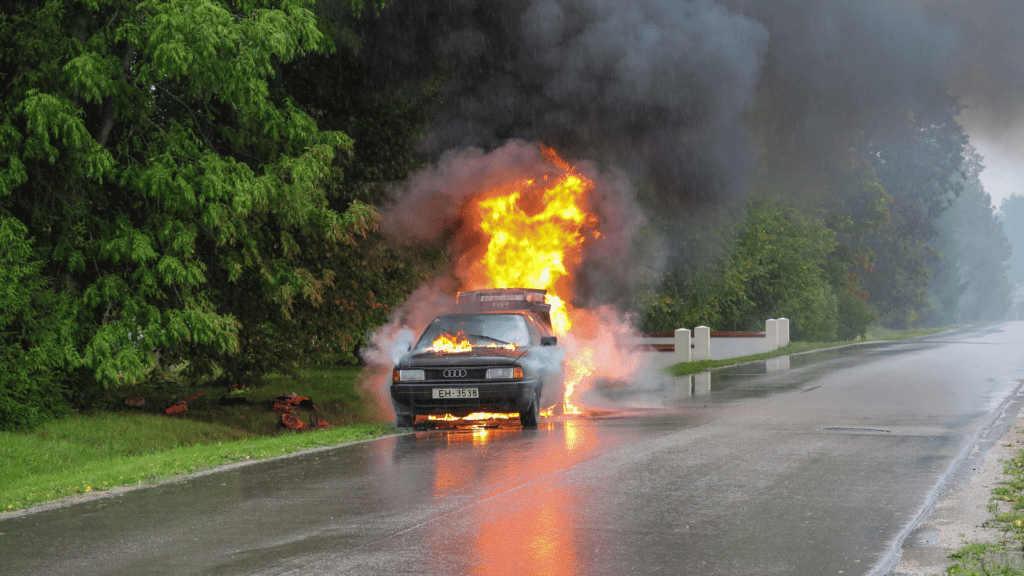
pixel 480 355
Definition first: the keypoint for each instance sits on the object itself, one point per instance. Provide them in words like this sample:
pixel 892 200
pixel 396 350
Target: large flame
pixel 537 230
pixel 535 249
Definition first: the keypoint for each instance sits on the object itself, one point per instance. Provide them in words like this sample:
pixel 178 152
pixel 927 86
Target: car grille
pixel 456 374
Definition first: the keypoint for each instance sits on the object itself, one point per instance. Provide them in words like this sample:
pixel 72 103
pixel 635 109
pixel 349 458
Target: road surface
pixel 813 464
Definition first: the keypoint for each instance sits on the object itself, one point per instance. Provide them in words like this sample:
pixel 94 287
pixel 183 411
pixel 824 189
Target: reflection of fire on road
pixel 537 533
pixel 530 223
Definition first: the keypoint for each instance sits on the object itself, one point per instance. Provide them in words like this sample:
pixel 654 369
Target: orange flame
pixel 448 344
pixel 536 230
pixel 531 250
pixel 534 233
pixel 475 416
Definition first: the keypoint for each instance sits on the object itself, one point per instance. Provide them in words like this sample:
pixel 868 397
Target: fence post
pixel 701 343
pixel 771 335
pixel 783 332
pixel 683 345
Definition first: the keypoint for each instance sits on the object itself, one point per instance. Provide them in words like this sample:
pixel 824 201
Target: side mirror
pixel 548 340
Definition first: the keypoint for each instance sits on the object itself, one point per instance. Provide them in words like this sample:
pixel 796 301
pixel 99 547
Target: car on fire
pixel 494 353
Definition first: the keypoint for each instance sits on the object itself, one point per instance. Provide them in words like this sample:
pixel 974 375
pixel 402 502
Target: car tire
pixel 531 417
pixel 404 420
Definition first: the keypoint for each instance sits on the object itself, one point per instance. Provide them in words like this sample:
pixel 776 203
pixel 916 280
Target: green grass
pixel 121 447
pixel 880 333
pixel 1005 557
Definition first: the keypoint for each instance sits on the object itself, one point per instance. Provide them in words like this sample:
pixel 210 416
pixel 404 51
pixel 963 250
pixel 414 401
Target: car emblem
pixel 454 373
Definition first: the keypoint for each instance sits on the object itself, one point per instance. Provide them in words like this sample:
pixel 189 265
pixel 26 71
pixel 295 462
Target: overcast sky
pixel 1004 160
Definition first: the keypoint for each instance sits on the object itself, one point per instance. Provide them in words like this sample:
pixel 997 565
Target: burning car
pixel 495 353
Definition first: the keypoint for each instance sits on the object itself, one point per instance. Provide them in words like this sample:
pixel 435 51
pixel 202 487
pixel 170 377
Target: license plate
pixel 437 393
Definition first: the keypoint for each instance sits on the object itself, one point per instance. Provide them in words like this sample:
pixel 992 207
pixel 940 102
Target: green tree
pixel 168 185
pixel 776 269
pixel 1011 212
pixel 386 106
pixel 854 205
pixel 970 283
pixel 918 156
pixel 34 334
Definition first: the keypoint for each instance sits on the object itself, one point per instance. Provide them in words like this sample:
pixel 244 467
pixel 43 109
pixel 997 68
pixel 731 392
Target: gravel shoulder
pixel 961 513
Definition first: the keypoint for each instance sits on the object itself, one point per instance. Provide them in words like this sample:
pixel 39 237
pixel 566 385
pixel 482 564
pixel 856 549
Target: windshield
pixel 478 329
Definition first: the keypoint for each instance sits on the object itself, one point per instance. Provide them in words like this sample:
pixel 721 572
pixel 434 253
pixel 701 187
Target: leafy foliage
pixel 35 325
pixel 1012 215
pixel 918 156
pixel 776 269
pixel 970 281
pixel 164 178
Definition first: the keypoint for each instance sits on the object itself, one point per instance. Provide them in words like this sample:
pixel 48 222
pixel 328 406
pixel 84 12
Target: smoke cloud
pixel 671 91
pixel 672 101
pixel 434 206
pixel 656 88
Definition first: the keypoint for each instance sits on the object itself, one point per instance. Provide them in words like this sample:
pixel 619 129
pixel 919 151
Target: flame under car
pixel 496 355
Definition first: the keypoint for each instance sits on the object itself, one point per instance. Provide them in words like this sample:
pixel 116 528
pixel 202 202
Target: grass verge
pixel 121 447
pixel 1006 556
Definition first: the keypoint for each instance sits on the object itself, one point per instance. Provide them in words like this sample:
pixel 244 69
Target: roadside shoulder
pixel 962 515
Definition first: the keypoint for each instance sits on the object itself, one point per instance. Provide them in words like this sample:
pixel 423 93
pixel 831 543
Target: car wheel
pixel 404 420
pixel 531 417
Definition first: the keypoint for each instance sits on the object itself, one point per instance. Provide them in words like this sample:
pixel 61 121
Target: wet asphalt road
pixel 813 465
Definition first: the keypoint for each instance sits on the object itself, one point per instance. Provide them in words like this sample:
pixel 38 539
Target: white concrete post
pixel 783 332
pixel 701 343
pixel 771 335
pixel 683 345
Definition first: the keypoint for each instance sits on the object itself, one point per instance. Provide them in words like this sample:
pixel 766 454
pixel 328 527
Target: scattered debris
pixel 286 404
pixel 181 406
pixel 290 422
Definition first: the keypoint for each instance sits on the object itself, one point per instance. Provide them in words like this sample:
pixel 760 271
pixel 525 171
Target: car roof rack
pixel 505 300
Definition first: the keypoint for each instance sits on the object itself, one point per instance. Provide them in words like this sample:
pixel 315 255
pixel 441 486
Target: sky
pixel 988 74
pixel 1004 168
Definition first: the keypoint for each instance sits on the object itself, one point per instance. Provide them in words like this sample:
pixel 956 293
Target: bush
pixel 34 334
pixel 776 269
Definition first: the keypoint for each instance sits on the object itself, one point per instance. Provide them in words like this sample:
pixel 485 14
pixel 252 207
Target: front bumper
pixel 415 398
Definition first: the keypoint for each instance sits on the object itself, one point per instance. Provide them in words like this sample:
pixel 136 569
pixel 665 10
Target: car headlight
pixel 408 375
pixel 507 373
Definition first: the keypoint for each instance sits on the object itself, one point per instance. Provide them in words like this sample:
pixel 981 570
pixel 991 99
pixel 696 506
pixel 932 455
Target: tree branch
pixel 107 124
